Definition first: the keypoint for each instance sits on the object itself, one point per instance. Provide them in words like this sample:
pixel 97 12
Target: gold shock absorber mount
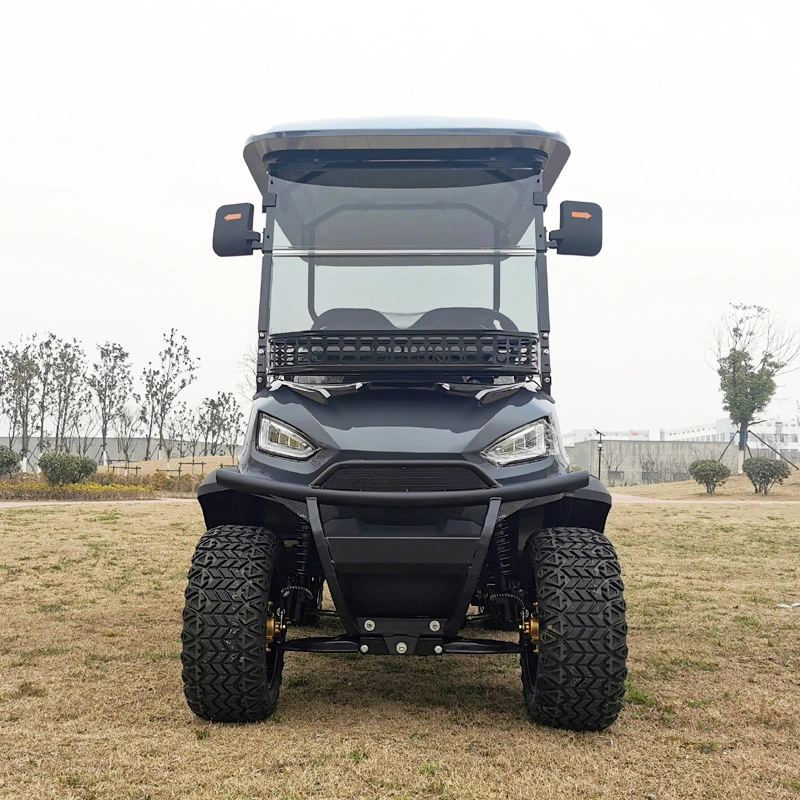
pixel 530 626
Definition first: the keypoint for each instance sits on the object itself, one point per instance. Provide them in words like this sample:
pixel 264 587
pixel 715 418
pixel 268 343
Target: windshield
pixel 405 200
pixel 388 240
pixel 419 293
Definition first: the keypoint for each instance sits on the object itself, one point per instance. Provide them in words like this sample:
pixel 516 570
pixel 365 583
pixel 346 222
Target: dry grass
pixel 91 703
pixel 737 487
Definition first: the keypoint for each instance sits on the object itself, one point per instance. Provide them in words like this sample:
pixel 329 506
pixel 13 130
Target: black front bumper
pixel 261 486
pixel 407 574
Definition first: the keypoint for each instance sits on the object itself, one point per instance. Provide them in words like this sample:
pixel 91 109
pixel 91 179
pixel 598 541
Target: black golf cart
pixel 403 446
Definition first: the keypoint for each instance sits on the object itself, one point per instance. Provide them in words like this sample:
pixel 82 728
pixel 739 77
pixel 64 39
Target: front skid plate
pixel 414 645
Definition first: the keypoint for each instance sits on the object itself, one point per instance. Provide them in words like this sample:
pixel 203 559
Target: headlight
pixel 280 439
pixel 536 440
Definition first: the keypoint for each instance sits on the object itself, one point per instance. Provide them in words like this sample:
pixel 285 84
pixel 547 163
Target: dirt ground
pixel 91 705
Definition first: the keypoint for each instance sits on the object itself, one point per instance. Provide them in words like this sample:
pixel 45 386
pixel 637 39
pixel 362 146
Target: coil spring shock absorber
pixel 503 595
pixel 502 555
pixel 297 592
pixel 301 551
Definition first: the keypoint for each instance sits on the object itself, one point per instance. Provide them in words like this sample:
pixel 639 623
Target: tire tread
pixel 225 662
pixel 579 681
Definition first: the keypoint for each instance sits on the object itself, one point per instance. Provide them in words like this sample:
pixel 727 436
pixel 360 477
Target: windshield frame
pixel 535 247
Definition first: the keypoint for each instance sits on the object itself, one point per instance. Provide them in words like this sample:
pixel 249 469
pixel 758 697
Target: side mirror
pixel 581 231
pixel 233 234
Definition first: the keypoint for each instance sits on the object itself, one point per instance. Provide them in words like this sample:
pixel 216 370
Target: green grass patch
pixel 358 755
pixel 637 696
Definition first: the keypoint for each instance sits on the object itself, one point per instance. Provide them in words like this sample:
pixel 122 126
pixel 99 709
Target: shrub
pixel 160 481
pixel 61 468
pixel 117 479
pixel 163 482
pixel 764 473
pixel 9 462
pixel 709 473
pixel 75 491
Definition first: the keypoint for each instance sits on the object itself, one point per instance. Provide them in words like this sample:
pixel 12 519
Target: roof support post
pixel 542 292
pixel 265 293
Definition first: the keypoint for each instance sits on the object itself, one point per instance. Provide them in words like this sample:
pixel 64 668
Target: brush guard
pixel 343 555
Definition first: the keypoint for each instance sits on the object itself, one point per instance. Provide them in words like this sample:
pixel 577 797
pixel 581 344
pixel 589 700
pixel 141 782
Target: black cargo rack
pixel 457 352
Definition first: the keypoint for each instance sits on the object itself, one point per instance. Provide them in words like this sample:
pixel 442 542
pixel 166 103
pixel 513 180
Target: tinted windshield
pixel 403 199
pixel 423 293
pixel 338 213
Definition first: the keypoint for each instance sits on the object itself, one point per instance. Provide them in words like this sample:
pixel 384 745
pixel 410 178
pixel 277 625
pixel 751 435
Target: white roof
pixel 392 133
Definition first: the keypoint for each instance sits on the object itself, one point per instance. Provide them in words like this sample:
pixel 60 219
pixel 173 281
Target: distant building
pixel 783 435
pixel 629 457
pixel 590 435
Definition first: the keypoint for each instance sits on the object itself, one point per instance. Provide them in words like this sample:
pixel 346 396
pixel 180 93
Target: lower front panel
pixel 406 595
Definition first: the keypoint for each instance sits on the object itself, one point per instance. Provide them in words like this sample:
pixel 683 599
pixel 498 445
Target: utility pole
pixel 599 452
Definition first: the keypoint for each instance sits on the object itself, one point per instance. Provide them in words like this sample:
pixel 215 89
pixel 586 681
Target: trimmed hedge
pixel 9 462
pixel 764 473
pixel 710 473
pixel 160 481
pixel 74 491
pixel 63 468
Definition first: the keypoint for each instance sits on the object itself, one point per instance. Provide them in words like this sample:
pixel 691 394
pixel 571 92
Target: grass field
pixel 91 704
pixel 737 487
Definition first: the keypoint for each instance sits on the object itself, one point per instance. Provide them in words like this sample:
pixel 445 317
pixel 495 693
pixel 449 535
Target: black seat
pixel 464 319
pixel 352 319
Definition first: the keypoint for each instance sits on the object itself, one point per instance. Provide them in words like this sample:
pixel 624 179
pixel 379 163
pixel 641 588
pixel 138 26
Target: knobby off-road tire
pixel 228 673
pixel 577 680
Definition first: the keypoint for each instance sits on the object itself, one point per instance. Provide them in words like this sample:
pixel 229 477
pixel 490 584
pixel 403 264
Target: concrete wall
pixel 137 450
pixel 634 463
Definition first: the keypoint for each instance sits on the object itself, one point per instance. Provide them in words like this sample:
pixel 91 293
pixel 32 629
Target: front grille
pixel 332 352
pixel 403 478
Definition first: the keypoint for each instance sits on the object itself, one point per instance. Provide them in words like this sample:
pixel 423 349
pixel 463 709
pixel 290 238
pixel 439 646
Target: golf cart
pixel 403 446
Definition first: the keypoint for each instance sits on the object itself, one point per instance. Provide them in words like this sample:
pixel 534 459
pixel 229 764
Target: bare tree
pixel 126 427
pixel 164 383
pixel 233 425
pixel 70 395
pixel 147 417
pixel 651 464
pixel 20 382
pixel 111 383
pixel 613 456
pixel 179 430
pixel 208 425
pixel 220 422
pixel 246 368
pixel 194 433
pixel 176 431
pixel 84 423
pixel 751 347
pixel 46 354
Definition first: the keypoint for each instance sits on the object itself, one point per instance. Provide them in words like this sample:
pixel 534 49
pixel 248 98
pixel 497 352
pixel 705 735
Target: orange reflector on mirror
pixel 576 214
pixel 229 217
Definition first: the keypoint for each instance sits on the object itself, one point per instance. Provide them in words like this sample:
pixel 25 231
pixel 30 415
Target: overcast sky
pixel 122 126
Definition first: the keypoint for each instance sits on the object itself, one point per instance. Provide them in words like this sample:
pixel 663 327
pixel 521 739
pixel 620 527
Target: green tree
pixel 751 348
